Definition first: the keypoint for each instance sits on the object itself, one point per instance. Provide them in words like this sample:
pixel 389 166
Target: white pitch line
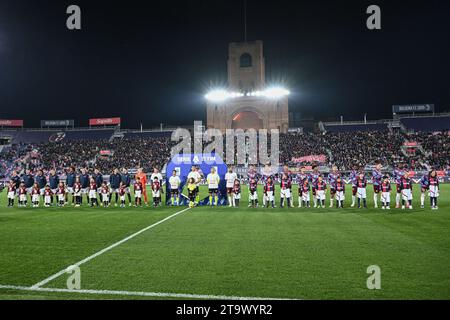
pixel 139 294
pixel 79 263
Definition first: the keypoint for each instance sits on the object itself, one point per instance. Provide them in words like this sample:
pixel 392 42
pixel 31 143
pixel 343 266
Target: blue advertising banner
pixel 183 163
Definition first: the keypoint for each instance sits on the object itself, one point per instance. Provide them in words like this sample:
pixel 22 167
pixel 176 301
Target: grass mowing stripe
pixel 56 275
pixel 136 293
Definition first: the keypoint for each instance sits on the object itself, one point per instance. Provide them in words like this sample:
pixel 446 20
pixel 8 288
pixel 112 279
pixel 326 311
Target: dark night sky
pixel 152 61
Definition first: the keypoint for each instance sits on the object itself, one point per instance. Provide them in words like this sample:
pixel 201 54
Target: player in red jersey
pixel 156 191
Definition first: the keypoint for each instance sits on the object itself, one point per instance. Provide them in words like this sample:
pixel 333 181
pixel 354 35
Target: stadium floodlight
pixel 275 93
pixel 217 95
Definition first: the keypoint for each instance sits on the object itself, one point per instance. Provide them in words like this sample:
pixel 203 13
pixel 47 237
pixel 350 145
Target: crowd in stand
pixel 340 149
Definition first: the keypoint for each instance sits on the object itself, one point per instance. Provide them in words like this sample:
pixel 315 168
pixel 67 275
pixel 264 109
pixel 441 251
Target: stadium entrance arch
pixel 182 164
pixel 247 120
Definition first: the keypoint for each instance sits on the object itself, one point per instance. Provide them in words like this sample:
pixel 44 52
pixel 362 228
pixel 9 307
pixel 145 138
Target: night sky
pixel 153 61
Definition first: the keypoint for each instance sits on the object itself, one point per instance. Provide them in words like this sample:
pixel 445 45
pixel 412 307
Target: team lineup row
pixel 310 185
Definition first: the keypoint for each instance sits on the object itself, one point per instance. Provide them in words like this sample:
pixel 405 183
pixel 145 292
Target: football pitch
pixel 209 253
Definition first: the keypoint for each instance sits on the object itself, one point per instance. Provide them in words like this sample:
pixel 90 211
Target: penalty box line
pixel 137 293
pixel 95 255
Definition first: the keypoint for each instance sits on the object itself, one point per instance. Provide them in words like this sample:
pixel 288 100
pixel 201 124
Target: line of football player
pixel 312 189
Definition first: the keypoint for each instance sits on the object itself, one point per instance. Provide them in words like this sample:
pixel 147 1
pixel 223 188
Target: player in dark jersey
pixel 361 184
pixel 236 193
pixel 385 188
pixel 376 181
pixel 253 191
pixel 424 186
pixel 301 177
pixel 353 178
pixel 332 178
pixel 406 191
pixel 285 191
pixel 269 192
pixel 339 188
pixel 315 174
pixel 398 174
pixel 252 174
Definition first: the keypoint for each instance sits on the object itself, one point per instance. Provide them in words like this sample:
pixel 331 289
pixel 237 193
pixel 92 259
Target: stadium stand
pixel 355 127
pixel 426 124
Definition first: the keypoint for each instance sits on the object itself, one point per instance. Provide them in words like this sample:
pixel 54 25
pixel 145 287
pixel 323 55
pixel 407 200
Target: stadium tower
pixel 247 102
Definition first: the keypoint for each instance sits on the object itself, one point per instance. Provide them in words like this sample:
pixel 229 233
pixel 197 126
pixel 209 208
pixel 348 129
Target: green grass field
pixel 244 252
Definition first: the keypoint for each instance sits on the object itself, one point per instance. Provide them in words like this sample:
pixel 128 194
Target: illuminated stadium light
pixel 217 95
pixel 275 93
pixel 220 95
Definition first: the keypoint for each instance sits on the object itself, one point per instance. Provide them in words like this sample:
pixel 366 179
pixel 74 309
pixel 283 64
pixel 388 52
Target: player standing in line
pixel 125 180
pixel 138 188
pixel 22 195
pixel 406 191
pixel 114 183
pixel 11 193
pixel 265 174
pixel 192 187
pixel 53 180
pixel 434 189
pixel 158 175
pixel 236 193
pixel 16 180
pixel 253 192
pixel 98 177
pixel 361 184
pixel 269 192
pixel 376 181
pixel 70 182
pixel 301 177
pixel 285 191
pixel 321 188
pixel 315 174
pixel 93 193
pixel 84 181
pixel 35 195
pixel 332 178
pixel 28 180
pixel 156 191
pixel 174 183
pixel 48 195
pixel 194 174
pixel 305 187
pixel 77 192
pixel 213 180
pixel 339 188
pixel 399 172
pixel 143 180
pixel 353 179
pixel 122 193
pixel 386 193
pixel 252 174
pixel 289 176
pixel 104 192
pixel 424 186
pixel 61 194
pixel 230 178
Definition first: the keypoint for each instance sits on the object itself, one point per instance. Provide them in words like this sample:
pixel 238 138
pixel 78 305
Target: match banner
pixel 104 122
pixel 57 123
pixel 11 123
pixel 312 158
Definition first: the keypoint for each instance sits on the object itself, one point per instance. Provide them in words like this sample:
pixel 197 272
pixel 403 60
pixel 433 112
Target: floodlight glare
pixel 217 95
pixel 276 93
